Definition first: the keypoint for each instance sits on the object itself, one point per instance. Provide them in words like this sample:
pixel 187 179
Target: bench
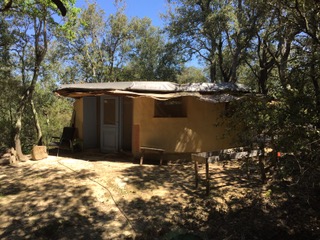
pixel 151 149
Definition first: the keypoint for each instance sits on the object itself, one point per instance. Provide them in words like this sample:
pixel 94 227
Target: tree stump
pixel 39 152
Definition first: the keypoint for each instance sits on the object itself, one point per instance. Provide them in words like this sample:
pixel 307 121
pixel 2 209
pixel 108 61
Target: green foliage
pixel 151 57
pixel 217 32
pixel 9 86
pixel 191 75
pixel 116 49
pixel 54 112
pixel 25 29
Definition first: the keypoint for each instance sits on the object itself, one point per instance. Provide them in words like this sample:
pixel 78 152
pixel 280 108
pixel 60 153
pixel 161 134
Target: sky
pixel 134 8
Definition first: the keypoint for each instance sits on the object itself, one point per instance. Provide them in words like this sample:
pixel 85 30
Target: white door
pixel 109 124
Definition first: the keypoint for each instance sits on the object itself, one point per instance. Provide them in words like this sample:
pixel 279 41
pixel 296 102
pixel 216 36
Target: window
pixel 109 111
pixel 172 108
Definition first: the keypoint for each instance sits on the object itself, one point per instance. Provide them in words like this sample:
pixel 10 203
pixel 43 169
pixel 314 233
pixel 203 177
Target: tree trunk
pixel 235 64
pixel 213 71
pixel 40 34
pixel 17 141
pixel 263 76
pixel 224 73
pixel 37 124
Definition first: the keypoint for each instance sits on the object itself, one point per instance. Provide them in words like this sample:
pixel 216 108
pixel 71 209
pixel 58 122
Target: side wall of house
pixel 203 129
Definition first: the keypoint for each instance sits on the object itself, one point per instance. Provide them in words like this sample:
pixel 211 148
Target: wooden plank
pixel 198 159
pixel 203 157
pixel 151 149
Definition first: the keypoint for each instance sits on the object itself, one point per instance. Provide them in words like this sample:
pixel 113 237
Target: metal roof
pixel 150 87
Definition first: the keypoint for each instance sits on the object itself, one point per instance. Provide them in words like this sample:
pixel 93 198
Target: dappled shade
pixel 113 198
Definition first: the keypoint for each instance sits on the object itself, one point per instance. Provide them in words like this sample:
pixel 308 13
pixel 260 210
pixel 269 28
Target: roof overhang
pixel 212 92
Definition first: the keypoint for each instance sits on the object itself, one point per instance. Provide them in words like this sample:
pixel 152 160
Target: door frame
pixel 118 127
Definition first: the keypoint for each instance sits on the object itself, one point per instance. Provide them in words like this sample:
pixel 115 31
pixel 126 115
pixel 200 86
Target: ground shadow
pixel 158 202
pixel 43 203
pixel 237 207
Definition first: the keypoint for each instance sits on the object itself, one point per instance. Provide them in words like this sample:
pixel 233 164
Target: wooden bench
pixel 151 149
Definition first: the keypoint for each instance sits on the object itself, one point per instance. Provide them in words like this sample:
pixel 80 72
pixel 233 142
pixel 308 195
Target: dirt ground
pixel 111 197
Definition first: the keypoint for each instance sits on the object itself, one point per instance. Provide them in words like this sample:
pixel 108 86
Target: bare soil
pixel 106 197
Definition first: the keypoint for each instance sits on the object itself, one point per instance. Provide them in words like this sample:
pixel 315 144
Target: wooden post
pixel 247 167
pixel 161 158
pixel 207 177
pixel 141 158
pixel 196 173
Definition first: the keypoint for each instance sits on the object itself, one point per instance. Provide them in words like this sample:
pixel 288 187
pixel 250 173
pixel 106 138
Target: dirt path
pixel 64 198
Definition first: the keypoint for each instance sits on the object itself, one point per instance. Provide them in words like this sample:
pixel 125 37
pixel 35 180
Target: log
pixel 13 160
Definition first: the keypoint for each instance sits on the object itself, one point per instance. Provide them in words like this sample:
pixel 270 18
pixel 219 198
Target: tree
pixel 151 57
pixel 284 55
pixel 8 5
pixel 31 24
pixel 117 49
pixel 217 32
pixel 8 83
pixel 305 15
pixel 100 46
pixel 84 55
pixel 191 75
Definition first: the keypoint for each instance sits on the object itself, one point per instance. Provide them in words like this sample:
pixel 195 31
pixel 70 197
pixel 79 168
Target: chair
pixel 66 139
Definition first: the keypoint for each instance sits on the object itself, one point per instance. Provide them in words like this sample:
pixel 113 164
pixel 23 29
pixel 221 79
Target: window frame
pixel 166 108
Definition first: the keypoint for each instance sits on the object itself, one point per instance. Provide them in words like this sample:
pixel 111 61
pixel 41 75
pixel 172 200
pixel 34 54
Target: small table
pixel 204 158
pixel 151 149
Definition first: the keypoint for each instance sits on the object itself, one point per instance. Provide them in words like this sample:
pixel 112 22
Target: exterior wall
pixel 201 130
pixel 78 107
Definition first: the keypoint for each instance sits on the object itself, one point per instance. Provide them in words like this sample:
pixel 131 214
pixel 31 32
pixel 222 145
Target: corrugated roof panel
pixel 212 87
pixel 154 86
pixel 98 86
pixel 157 87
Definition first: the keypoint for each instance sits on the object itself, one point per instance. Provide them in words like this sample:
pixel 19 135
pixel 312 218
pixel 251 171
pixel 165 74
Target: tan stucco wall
pixel 201 130
pixel 198 132
pixel 78 107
